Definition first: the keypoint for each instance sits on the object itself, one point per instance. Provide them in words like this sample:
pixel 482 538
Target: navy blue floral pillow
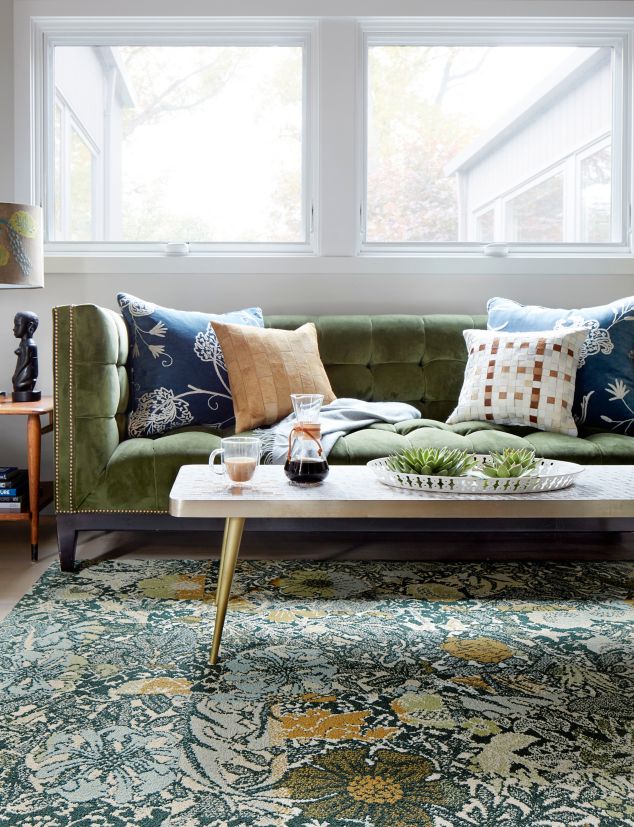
pixel 177 371
pixel 604 392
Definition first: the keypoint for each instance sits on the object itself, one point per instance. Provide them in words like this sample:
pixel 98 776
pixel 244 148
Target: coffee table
pixel 603 492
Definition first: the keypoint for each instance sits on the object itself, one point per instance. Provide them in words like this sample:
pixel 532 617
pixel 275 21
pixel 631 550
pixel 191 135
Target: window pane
pixel 201 143
pixel 596 207
pixel 451 128
pixel 485 226
pixel 81 184
pixel 58 173
pixel 537 214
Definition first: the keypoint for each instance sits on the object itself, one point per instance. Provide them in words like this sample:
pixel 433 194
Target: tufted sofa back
pixel 416 359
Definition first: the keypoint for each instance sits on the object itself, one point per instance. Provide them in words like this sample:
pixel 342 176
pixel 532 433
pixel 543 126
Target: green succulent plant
pixel 437 462
pixel 511 462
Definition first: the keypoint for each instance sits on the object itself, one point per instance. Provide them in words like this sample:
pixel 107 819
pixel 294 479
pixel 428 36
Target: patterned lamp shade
pixel 21 249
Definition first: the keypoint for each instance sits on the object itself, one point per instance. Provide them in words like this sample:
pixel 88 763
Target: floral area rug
pixel 358 694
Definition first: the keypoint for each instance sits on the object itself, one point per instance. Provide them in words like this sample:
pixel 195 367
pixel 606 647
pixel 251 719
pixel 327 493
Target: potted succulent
pixel 434 462
pixel 510 462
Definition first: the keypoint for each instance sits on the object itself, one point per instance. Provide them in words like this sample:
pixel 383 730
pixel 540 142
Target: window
pixel 537 214
pixel 485 226
pixel 201 142
pixel 570 202
pixel 428 141
pixel 595 171
pixel 472 142
pixel 76 178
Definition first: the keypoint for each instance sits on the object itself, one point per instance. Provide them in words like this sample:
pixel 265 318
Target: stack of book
pixel 14 493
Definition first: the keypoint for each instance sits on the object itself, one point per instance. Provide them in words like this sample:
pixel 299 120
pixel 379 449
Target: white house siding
pixel 78 73
pixel 580 116
pixel 92 87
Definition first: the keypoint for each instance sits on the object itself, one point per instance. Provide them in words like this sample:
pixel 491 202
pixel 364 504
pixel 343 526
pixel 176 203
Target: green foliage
pixel 437 462
pixel 509 463
pixel 410 198
pixel 168 79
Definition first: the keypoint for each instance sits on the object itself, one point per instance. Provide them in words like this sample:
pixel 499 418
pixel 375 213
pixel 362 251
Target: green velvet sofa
pixel 105 480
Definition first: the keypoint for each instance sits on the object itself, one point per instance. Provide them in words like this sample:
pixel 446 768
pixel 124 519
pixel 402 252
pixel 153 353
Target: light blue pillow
pixel 177 371
pixel 604 394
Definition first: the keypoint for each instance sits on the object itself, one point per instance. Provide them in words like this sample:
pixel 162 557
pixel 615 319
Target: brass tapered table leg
pixel 222 555
pixel 230 549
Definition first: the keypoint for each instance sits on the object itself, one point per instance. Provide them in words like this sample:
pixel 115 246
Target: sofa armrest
pixel 90 349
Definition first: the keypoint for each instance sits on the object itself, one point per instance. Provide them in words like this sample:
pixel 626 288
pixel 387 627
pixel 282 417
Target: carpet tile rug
pixel 348 695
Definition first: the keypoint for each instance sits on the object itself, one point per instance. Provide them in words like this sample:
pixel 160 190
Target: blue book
pixel 8 471
pixel 11 492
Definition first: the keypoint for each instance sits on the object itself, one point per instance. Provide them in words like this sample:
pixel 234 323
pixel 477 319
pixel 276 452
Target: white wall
pixel 6 99
pixel 326 292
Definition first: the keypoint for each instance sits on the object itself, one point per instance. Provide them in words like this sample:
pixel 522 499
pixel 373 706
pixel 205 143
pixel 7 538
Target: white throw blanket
pixel 343 416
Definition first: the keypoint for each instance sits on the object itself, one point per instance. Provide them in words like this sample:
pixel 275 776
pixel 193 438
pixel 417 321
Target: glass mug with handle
pixel 240 458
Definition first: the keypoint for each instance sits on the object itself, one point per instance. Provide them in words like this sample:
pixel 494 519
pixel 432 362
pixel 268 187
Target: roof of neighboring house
pixel 570 74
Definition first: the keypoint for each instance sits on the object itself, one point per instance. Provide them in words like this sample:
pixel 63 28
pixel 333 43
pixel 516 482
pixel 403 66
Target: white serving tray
pixel 549 475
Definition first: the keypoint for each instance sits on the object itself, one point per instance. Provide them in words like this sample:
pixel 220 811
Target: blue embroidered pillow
pixel 605 377
pixel 177 370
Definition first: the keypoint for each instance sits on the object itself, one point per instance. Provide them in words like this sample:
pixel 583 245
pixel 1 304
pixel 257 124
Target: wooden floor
pixel 18 574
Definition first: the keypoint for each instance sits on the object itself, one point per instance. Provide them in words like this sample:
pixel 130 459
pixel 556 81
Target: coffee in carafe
pixel 306 462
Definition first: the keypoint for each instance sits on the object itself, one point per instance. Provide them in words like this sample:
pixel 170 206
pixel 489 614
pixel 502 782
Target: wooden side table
pixel 34 431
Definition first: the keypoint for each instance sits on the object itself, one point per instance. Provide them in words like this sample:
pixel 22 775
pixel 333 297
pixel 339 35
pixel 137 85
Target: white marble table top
pixel 601 491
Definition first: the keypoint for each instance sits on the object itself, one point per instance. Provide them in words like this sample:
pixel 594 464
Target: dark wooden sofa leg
pixel 66 541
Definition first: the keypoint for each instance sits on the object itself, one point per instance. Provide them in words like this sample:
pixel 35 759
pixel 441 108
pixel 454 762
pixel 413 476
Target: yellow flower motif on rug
pixel 434 592
pixel 321 724
pixel 473 680
pixel 423 710
pixel 237 603
pixel 174 587
pixel 153 686
pixel 319 584
pixel 480 649
pixel 387 789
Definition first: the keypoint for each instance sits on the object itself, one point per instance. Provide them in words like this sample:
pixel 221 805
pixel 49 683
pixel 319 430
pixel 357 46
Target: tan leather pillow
pixel 266 366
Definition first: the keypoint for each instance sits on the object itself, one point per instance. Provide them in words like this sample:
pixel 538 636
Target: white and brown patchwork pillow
pixel 521 379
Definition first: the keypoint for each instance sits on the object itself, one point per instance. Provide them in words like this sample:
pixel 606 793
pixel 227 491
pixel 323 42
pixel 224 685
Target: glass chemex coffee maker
pixel 306 462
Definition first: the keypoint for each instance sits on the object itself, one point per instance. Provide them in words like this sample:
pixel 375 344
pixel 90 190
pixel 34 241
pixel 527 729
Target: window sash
pixel 336 241
pixel 48 33
pixel 569 167
pixel 525 31
pixel 70 124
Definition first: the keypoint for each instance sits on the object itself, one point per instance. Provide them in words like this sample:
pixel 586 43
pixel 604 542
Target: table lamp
pixel 22 265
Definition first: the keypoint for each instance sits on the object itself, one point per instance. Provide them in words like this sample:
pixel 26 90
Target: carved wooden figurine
pixel 25 376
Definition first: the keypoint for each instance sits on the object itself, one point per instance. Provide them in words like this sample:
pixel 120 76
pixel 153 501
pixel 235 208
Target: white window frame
pixel 482 32
pixel 70 122
pixel 481 211
pixel 587 152
pixel 551 171
pixel 336 134
pixel 50 32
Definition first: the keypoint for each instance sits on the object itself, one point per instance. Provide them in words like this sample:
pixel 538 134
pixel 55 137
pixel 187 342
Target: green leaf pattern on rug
pixel 348 695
